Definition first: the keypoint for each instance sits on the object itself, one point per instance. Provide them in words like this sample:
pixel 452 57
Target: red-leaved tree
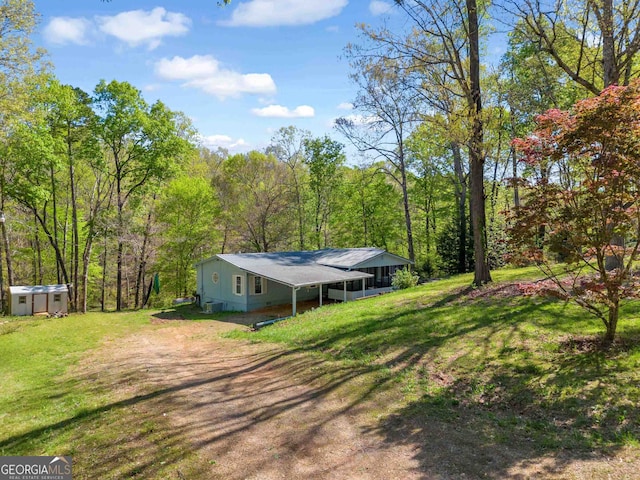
pixel 588 197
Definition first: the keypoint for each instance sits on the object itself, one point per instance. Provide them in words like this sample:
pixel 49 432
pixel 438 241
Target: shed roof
pixel 295 269
pixel 21 289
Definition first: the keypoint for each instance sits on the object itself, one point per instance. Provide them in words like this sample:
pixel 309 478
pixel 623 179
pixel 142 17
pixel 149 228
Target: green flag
pixel 156 283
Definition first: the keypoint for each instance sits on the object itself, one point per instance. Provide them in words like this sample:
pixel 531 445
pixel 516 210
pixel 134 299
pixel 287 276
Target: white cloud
pixel 224 141
pixel 179 68
pixel 139 27
pixel 278 111
pixel 345 106
pixel 65 30
pixel 205 73
pixel 378 7
pixel 271 13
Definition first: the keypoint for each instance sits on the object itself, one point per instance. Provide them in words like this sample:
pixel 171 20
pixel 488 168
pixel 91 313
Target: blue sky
pixel 240 72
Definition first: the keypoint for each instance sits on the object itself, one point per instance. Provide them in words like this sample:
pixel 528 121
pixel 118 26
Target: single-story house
pixel 250 281
pixel 52 299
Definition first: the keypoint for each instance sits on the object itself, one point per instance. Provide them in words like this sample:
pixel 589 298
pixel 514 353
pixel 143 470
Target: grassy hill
pixel 505 367
pixel 487 368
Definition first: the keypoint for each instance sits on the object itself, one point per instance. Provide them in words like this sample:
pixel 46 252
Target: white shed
pixel 50 299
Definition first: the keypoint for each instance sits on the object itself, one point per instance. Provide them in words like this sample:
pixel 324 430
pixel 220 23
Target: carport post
pixel 320 294
pixel 364 286
pixel 293 300
pixel 345 291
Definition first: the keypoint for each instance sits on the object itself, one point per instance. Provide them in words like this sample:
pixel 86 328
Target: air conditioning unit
pixel 212 307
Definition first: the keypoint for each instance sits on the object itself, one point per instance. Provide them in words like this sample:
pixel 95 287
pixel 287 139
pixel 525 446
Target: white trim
pixel 234 285
pixel 252 285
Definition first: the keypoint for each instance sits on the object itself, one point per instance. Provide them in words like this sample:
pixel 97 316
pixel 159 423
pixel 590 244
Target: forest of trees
pixel 101 190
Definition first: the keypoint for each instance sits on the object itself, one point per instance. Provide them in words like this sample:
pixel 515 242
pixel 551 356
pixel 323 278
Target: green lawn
pixel 505 369
pixel 509 367
pixel 44 410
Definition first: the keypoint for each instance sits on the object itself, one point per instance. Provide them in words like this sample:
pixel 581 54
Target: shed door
pixel 40 303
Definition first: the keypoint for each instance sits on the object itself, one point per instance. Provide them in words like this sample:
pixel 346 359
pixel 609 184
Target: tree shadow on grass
pixel 502 420
pixel 524 422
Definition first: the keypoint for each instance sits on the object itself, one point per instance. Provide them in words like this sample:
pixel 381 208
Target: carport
pixel 300 276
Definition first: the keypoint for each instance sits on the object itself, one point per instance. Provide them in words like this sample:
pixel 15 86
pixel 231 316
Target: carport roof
pixel 295 269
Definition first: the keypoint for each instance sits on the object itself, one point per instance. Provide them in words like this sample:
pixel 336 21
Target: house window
pixel 22 300
pixel 258 286
pixel 215 277
pixel 238 285
pixel 57 297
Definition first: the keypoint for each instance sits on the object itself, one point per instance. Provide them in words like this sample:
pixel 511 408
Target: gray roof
pixel 352 257
pixel 17 289
pixel 295 269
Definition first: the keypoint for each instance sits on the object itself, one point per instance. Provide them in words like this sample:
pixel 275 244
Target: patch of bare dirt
pixel 597 344
pixel 164 317
pixel 255 411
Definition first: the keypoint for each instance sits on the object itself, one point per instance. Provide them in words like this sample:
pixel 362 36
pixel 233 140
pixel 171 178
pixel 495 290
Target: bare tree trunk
pixel 612 323
pixel 143 255
pixel 104 275
pixel 611 74
pixel 461 203
pixel 120 253
pixel 482 274
pixel 63 276
pixel 120 243
pixel 38 271
pixel 55 220
pixel 7 253
pixel 86 257
pixel 74 227
pixel 2 295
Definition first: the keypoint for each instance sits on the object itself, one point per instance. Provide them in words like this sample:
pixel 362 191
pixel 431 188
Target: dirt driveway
pixel 251 411
pixel 255 411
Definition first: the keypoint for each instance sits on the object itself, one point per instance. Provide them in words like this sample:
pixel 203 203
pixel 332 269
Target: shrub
pixel 404 278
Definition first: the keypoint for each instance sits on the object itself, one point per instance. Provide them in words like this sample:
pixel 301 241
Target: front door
pixel 39 303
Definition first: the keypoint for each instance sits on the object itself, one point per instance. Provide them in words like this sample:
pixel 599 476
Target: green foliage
pixel 323 157
pixel 369 211
pixel 404 278
pixel 586 206
pixel 186 211
pixel 480 361
pixel 448 248
pixel 255 193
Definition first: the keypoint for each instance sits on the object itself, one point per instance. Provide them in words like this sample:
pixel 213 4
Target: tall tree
pixel 143 145
pixel 71 119
pixel 595 43
pixel 18 62
pixel 387 111
pixel 186 211
pixel 32 160
pixel 444 44
pixel 369 212
pixel 256 194
pixel 287 144
pixel 590 198
pixel 324 157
